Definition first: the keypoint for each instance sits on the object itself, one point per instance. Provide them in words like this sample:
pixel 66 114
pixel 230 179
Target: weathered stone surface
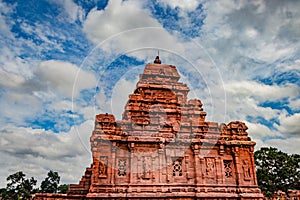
pixel 164 148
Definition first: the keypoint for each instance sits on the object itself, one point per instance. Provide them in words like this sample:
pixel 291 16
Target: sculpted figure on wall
pixel 103 166
pixel 246 170
pixel 210 167
pixel 146 167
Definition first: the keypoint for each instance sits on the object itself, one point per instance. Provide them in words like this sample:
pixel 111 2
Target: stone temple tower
pixel 163 148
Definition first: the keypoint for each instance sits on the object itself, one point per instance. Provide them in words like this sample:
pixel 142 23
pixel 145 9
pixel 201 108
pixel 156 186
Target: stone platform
pixel 163 148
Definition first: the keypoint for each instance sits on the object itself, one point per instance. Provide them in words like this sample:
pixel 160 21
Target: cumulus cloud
pixel 36 151
pixel 289 145
pixel 65 77
pixel 185 5
pixel 118 16
pixel 9 79
pixel 289 124
pixel 262 92
pixel 6 9
pixel 244 98
pixel 260 131
pixel 120 95
pixel 125 26
pixel 294 104
pixel 243 36
pixel 74 11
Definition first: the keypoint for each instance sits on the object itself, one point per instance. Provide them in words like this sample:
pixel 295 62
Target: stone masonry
pixel 163 148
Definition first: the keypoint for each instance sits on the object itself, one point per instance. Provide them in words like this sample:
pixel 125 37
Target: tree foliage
pixel 51 183
pixel 63 188
pixel 276 170
pixel 18 187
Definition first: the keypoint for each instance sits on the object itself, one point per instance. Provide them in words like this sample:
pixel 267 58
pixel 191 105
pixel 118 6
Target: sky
pixel 62 62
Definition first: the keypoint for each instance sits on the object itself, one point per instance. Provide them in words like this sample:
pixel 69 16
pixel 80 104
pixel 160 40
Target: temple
pixel 163 148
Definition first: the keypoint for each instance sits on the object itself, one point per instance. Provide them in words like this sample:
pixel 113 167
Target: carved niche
pixel 177 167
pixel 246 170
pixel 210 167
pixel 122 165
pixel 147 165
pixel 103 167
pixel 228 165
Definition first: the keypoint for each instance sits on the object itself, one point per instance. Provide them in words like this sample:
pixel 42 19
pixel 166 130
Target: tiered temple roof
pixel 164 148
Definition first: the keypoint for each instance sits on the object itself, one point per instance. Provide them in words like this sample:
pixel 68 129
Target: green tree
pixel 276 170
pixel 18 187
pixel 63 188
pixel 51 183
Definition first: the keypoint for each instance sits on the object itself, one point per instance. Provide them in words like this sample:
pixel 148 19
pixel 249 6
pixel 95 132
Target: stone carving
pixel 146 167
pixel 227 168
pixel 177 167
pixel 121 167
pixel 103 167
pixel 246 170
pixel 210 167
pixel 223 128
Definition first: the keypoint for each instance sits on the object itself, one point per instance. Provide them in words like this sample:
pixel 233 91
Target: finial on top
pixel 157 60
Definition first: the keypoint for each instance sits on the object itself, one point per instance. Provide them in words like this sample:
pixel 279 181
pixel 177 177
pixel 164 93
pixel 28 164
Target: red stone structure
pixel 163 148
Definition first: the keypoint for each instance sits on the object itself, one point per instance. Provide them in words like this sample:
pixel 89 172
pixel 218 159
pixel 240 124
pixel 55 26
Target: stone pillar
pixel 114 166
pixel 169 168
pixel 219 170
pixel 153 169
pixel 132 161
pixel 160 164
pixel 198 167
pixel 139 168
pixel 238 170
pixel 252 160
pixel 202 170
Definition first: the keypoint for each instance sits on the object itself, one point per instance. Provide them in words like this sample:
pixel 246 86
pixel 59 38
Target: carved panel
pixel 122 165
pixel 177 167
pixel 103 167
pixel 246 170
pixel 147 165
pixel 228 165
pixel 210 167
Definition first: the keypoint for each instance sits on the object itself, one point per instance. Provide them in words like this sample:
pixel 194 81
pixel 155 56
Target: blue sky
pixel 62 62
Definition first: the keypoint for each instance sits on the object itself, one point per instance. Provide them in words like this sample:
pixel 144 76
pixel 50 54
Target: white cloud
pixel 187 5
pixel 74 11
pixel 10 80
pixel 294 66
pixel 294 104
pixel 289 124
pixel 36 151
pixel 264 137
pixel 243 99
pixel 261 91
pixel 118 16
pixel 17 107
pixel 120 95
pixel 6 24
pixel 260 131
pixel 65 77
pixel 125 26
pixel 244 37
pixel 289 145
pixel 102 101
